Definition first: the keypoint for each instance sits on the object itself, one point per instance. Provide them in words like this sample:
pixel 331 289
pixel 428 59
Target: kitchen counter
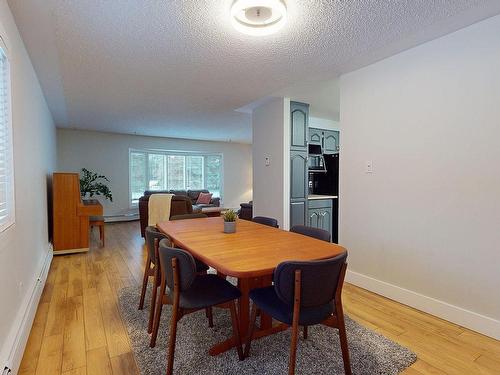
pixel 318 196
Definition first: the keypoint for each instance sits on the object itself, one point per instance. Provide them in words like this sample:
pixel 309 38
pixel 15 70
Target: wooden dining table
pixel 250 255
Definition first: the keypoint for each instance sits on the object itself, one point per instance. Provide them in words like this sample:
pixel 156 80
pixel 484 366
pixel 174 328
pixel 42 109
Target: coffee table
pixel 212 211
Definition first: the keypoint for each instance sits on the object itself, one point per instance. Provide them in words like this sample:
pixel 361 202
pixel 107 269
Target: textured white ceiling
pixel 178 69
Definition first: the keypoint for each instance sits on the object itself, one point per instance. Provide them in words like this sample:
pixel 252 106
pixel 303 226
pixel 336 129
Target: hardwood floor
pixel 78 329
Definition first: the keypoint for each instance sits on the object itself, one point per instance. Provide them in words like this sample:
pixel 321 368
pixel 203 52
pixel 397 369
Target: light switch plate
pixel 369 166
pixel 268 161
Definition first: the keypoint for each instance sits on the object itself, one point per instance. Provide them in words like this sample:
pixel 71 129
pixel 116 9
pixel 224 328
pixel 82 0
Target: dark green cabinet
pixel 298 187
pixel 320 214
pixel 299 123
pixel 327 139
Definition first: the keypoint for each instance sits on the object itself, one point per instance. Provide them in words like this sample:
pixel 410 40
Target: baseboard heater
pixel 131 216
pixel 18 343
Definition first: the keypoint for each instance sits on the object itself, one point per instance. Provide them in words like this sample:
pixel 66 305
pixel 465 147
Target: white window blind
pixel 6 162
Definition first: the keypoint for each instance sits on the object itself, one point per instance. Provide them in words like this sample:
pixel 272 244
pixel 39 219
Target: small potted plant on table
pixel 230 221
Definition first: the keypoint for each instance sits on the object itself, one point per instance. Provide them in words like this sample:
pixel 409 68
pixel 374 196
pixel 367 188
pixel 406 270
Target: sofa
pixel 183 203
pixel 193 196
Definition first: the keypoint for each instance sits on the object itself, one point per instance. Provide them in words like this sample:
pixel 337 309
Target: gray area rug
pixel 370 352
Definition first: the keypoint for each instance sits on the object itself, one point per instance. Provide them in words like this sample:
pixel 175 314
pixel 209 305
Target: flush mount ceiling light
pixel 258 17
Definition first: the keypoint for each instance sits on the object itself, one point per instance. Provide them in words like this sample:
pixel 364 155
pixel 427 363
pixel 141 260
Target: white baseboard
pixel 21 327
pixel 465 318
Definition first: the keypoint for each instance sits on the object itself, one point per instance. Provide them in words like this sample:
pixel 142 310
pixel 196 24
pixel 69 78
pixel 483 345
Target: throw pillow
pixel 204 198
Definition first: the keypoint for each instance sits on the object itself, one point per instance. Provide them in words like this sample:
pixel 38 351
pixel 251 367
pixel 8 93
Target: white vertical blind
pixel 6 162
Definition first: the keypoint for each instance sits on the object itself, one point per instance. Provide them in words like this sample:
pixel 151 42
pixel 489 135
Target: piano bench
pixel 98 221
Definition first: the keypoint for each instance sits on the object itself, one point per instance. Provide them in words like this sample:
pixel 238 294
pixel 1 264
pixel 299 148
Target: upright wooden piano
pixel 71 214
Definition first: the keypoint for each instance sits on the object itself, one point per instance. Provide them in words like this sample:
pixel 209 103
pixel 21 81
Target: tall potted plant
pixel 92 184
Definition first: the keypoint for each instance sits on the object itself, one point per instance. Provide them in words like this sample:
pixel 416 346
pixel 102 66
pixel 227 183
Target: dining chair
pixel 304 293
pixel 317 233
pixel 200 266
pixel 191 292
pixel 269 221
pixel 153 269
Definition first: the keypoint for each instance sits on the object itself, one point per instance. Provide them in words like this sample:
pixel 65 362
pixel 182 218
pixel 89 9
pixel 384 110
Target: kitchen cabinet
pixel 299 128
pixel 331 142
pixel 327 139
pixel 299 123
pixel 320 214
pixel 298 187
pixel 315 137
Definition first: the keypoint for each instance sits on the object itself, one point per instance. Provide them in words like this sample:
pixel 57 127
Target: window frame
pixel 148 151
pixel 10 180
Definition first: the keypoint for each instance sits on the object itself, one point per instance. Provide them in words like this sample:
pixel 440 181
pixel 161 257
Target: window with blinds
pixel 173 170
pixel 6 162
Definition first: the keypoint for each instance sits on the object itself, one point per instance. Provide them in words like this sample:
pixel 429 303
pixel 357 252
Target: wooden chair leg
pixel 236 330
pixel 152 307
pixel 101 233
pixel 251 329
pixel 175 317
pixel 173 335
pixel 144 283
pixel 295 324
pixel 293 348
pixel 158 308
pixel 209 315
pixel 343 339
pixel 305 332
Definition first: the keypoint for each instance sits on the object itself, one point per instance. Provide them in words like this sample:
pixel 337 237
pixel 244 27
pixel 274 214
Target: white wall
pixel 24 246
pixel 271 187
pixel 323 123
pixel 108 153
pixel 427 220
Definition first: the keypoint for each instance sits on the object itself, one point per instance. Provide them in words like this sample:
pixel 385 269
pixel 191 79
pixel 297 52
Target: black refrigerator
pixel 328 184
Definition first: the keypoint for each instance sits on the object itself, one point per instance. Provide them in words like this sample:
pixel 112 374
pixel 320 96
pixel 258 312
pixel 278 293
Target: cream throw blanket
pixel 159 208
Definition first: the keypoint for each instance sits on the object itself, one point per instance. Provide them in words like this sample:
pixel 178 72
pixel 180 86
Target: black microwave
pixel 315 150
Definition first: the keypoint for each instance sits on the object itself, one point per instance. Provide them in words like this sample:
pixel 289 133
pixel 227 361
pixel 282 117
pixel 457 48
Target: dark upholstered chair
pixel 317 233
pixel 191 292
pixel 246 211
pixel 304 293
pixel 188 216
pixel 269 221
pixel 200 266
pixel 153 269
